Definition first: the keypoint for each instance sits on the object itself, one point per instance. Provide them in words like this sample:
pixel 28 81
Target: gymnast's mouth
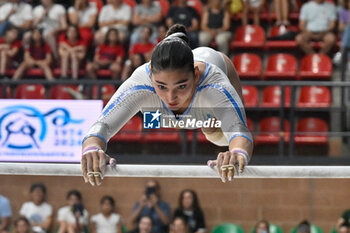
pixel 172 104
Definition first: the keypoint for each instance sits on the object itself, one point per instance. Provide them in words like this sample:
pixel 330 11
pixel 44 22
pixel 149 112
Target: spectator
pixel 148 13
pixel 72 51
pixel 15 13
pixel 345 218
pixel 304 227
pixel 37 55
pixel 317 22
pixel 179 225
pixel 38 211
pixel 115 14
pixel 190 210
pixel 83 15
pixel 9 48
pixel 107 221
pixel 262 226
pixel 5 214
pixel 151 204
pixel 344 228
pixel 73 217
pixel 344 28
pixel 281 10
pixel 215 25
pixel 186 15
pixel 144 225
pixel 130 65
pixel 255 6
pixel 51 18
pixel 162 30
pixel 22 225
pixel 108 56
pixel 145 46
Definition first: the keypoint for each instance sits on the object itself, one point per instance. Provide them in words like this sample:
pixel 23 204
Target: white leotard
pixel 214 97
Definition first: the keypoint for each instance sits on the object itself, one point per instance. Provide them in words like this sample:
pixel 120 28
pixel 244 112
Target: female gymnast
pixel 201 83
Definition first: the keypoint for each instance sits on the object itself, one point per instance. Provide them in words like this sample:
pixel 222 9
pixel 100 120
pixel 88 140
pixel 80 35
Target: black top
pixel 215 20
pixel 195 220
pixel 182 15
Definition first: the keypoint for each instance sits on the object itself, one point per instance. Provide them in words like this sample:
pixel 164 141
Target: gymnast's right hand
pixel 93 164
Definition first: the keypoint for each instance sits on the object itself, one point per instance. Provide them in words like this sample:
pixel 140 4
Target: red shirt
pixel 78 43
pixel 15 44
pixel 141 48
pixel 108 52
pixel 39 52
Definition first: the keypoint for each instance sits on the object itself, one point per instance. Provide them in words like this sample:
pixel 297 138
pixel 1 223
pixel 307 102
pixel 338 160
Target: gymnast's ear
pixel 196 73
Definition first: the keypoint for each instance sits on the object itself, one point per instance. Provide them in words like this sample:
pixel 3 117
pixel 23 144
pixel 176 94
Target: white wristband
pixel 242 152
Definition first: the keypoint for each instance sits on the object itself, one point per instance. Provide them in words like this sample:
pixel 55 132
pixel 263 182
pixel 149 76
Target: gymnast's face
pixel 175 87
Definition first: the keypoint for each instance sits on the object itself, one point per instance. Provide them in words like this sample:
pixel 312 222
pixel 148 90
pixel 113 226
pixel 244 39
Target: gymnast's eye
pixel 161 87
pixel 182 87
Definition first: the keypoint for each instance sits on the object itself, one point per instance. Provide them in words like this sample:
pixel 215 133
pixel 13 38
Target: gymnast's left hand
pixel 227 164
pixel 93 165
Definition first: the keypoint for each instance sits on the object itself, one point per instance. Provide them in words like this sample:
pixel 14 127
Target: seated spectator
pixel 345 218
pixel 107 221
pixel 148 13
pixel 344 228
pixel 5 214
pixel 186 15
pixel 190 210
pixel 9 48
pixel 73 217
pixel 179 225
pixel 131 64
pixel 145 46
pixel 51 18
pixel 215 25
pixel 151 205
pixel 144 225
pixel 262 226
pixel 255 6
pixel 115 14
pixel 304 227
pixel 108 56
pixel 162 30
pixel 15 13
pixel 22 225
pixel 37 55
pixel 317 27
pixel 83 15
pixel 38 211
pixel 281 10
pixel 72 50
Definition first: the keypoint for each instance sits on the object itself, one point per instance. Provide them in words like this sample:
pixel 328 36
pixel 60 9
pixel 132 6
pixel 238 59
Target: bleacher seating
pixel 248 65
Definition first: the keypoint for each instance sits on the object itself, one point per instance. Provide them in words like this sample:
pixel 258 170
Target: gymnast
pixel 201 83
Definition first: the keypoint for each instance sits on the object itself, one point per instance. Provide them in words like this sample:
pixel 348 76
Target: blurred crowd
pixel 119 35
pixel 150 214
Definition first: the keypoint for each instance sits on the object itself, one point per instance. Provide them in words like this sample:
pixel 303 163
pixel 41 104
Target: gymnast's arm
pixel 130 97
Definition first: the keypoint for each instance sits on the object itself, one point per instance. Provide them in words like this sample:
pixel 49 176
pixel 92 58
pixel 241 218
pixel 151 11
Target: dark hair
pixel 38 186
pixel 150 30
pixel 74 193
pixel 108 198
pixel 143 59
pixel 304 226
pixel 264 222
pixel 173 52
pixel 345 224
pixel 76 30
pixel 32 43
pixel 109 32
pixel 22 218
pixel 346 4
pixel 145 216
pixel 195 202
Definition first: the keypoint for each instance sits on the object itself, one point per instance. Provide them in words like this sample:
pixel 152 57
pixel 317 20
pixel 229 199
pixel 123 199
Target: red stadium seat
pixel 249 36
pixel 280 44
pixel 131 131
pixel 311 131
pixel 250 96
pixel 7 92
pixel 316 66
pixel 98 4
pixel 104 73
pixel 250 125
pixel 272 97
pixel 248 65
pixel 107 92
pixel 30 91
pixel 62 91
pixel 162 135
pixel 57 72
pixel 270 131
pixel 164 4
pixel 200 136
pixel 314 97
pixel 131 3
pixel 281 66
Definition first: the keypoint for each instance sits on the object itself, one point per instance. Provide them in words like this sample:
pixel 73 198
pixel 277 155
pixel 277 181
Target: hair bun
pixel 179 31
